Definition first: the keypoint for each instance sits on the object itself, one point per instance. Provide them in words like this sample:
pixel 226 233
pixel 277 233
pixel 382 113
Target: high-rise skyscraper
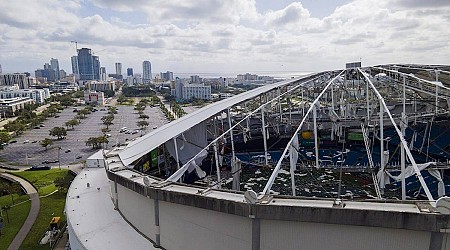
pixel 96 65
pixel 47 66
pixel 130 72
pixel 62 74
pixel 55 66
pixel 118 69
pixel 85 64
pixel 103 73
pixel 168 76
pixel 147 71
pixel 75 70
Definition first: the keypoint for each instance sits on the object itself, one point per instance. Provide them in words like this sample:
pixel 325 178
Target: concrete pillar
pixel 158 230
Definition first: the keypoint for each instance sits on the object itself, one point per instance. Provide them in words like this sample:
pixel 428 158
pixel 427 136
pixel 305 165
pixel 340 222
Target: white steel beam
pixel 402 139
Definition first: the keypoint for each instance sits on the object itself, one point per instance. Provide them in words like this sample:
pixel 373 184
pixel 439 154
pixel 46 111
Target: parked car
pixel 42 125
pixel 13 141
pixel 33 141
pixel 35 168
pixel 37 127
pixel 26 141
pixel 68 151
pixel 79 157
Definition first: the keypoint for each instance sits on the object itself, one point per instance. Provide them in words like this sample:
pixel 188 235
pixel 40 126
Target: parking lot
pixel 73 147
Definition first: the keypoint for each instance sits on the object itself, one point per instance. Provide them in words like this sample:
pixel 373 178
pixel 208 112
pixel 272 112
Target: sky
pixel 224 36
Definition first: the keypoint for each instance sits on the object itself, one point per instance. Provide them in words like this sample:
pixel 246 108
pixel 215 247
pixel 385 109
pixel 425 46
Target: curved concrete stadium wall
pixel 306 235
pixel 188 220
pixel 184 227
pixel 138 210
pixel 73 239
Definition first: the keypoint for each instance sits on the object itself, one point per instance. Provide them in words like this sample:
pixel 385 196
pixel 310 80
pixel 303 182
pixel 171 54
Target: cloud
pixel 293 13
pixel 223 35
pixel 422 3
pixel 216 11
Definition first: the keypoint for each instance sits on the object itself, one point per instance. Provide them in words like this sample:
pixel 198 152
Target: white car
pixel 26 141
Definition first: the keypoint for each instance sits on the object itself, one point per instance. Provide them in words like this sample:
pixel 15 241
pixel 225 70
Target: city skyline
pixel 224 37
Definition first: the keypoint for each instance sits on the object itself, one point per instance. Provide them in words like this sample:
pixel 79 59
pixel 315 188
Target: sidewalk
pixel 34 210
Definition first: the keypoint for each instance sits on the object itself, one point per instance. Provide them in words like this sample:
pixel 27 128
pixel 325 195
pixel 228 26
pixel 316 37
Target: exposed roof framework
pixel 152 140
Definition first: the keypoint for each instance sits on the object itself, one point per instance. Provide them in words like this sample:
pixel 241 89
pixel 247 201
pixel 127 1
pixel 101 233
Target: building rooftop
pixel 92 216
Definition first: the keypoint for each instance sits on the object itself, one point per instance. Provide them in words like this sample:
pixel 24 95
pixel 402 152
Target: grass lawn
pixel 43 179
pixel 17 215
pixel 51 206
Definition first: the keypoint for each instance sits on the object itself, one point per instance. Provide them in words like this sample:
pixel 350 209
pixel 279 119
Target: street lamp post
pixel 59 160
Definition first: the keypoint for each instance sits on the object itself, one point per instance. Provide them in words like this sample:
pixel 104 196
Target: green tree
pixel 52 110
pixel 59 132
pixel 139 107
pixel 142 124
pixel 107 120
pixel 46 142
pixel 109 93
pixel 66 101
pixel 80 117
pixel 63 183
pixel 4 137
pixel 84 112
pixel 112 110
pixel 16 126
pixel 72 123
pixel 102 140
pixel 122 99
pixel 97 142
pixel 93 142
pixel 11 188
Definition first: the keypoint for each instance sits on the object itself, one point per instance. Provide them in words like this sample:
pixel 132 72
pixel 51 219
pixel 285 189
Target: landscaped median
pixel 52 200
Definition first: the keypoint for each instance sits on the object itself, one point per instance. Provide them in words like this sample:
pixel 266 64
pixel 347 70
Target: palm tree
pixel 107 120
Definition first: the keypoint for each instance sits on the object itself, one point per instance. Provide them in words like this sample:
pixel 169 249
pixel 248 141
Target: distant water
pixel 276 74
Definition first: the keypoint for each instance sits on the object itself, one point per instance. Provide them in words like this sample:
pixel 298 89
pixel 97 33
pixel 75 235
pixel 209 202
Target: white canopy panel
pixel 152 140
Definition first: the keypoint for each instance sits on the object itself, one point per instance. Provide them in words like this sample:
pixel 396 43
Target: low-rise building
pixel 135 79
pixel 37 95
pixel 185 91
pixel 94 97
pixel 101 85
pixel 196 91
pixel 63 87
pixel 11 105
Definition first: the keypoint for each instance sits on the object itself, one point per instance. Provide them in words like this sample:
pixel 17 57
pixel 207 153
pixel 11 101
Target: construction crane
pixel 97 51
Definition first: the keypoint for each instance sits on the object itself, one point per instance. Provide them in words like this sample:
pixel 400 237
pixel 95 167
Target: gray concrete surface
pixel 32 153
